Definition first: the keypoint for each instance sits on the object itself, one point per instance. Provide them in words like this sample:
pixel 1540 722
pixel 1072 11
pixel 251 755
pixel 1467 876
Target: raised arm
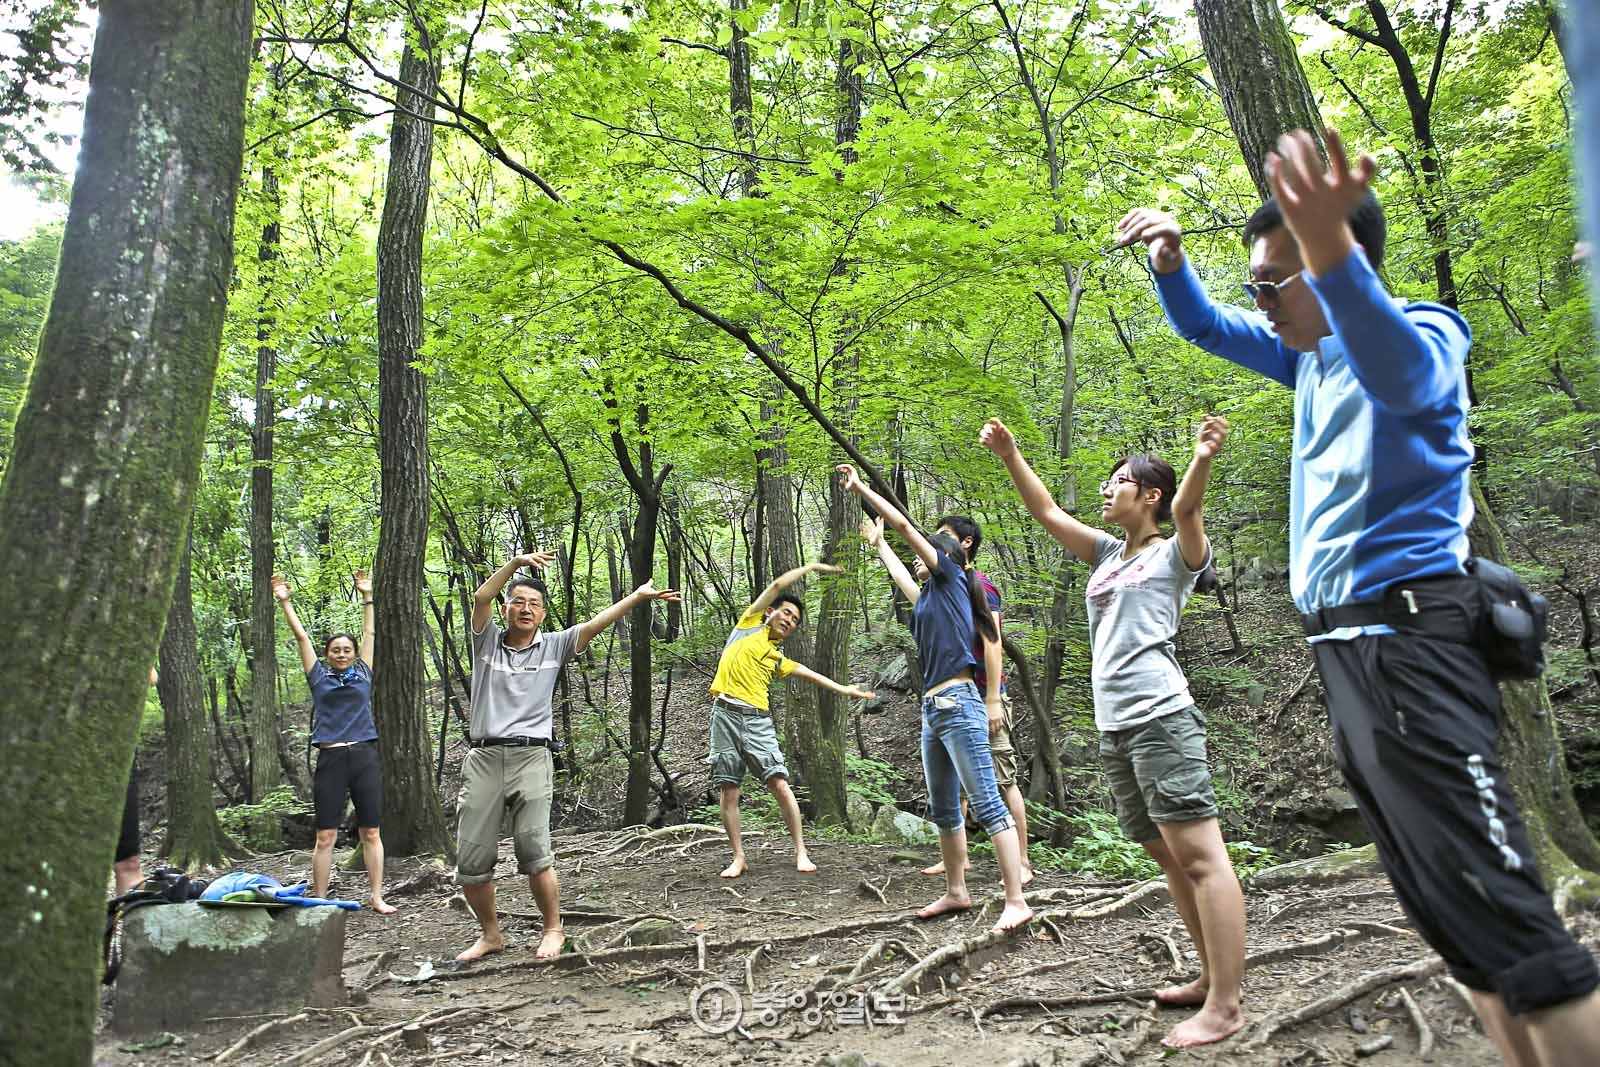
pixel 850 692
pixel 308 654
pixel 1075 536
pixel 788 578
pixel 485 595
pixel 872 534
pixel 1186 503
pixel 592 628
pixel 850 480
pixel 364 588
pixel 1229 332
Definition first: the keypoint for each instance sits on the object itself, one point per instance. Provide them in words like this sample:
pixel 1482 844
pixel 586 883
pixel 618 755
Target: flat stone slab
pixel 183 964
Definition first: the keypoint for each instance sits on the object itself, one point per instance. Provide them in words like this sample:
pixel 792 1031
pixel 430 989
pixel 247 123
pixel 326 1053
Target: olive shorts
pixel 495 782
pixel 1158 773
pixel 743 741
pixel 1000 746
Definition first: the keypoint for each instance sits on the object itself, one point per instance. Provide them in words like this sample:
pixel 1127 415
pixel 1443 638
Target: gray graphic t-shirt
pixel 1134 607
pixel 512 690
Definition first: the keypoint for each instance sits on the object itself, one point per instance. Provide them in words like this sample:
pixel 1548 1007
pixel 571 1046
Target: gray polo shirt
pixel 512 691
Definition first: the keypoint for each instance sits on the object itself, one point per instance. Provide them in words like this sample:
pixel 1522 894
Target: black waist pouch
pixel 1488 607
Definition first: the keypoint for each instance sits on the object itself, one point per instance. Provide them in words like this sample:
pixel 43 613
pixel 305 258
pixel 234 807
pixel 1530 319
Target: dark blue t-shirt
pixel 343 703
pixel 942 624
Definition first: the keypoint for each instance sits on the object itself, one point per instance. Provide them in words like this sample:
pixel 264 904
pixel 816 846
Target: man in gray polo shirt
pixel 509 768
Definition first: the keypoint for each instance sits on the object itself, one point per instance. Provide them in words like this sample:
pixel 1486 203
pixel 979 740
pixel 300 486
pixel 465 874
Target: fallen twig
pixel 386 957
pixel 750 968
pixel 875 890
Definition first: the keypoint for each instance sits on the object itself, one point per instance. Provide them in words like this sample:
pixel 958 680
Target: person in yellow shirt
pixel 742 734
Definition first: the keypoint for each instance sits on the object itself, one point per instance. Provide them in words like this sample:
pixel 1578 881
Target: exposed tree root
pixel 750 968
pixel 1266 1027
pixel 1420 1021
pixel 257 1034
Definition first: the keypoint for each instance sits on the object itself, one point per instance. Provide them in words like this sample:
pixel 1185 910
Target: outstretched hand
pixel 536 560
pixel 997 438
pixel 1208 440
pixel 280 588
pixel 1317 201
pixel 855 692
pixel 649 591
pixel 871 531
pixel 1160 233
pixel 826 568
pixel 849 480
pixel 363 583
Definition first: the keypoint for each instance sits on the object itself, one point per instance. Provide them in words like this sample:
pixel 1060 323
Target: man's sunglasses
pixel 1269 293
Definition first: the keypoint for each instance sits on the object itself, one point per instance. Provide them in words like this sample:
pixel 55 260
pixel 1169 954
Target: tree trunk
pixel 1530 745
pixel 265 774
pixel 101 482
pixel 800 723
pixel 194 837
pixel 1258 74
pixel 413 819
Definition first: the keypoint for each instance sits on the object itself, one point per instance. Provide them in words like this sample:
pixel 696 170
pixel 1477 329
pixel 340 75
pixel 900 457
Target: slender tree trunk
pixel 194 837
pixel 101 482
pixel 1531 747
pixel 265 774
pixel 413 819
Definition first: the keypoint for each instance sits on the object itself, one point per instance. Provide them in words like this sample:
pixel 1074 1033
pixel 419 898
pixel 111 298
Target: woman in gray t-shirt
pixel 1152 737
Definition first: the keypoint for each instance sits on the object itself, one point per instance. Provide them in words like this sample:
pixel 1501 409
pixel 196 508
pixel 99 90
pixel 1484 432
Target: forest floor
pixel 1072 988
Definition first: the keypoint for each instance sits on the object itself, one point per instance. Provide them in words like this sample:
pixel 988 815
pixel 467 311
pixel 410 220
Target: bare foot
pixel 803 864
pixel 944 905
pixel 1013 916
pixel 1208 1025
pixel 1027 873
pixel 550 944
pixel 484 946
pixel 735 869
pixel 379 905
pixel 938 868
pixel 1184 996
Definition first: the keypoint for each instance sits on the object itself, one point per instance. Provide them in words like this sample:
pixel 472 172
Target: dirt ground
pixel 825 939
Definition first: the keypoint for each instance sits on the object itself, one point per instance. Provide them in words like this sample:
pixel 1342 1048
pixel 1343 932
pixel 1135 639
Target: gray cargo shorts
pixel 743 740
pixel 1158 773
pixel 497 781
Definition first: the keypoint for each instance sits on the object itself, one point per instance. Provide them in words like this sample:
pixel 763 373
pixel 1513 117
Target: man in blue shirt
pixel 1379 504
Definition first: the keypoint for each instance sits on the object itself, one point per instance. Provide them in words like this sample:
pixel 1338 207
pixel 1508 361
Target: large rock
pixel 1343 866
pixel 858 809
pixel 182 963
pixel 895 673
pixel 895 827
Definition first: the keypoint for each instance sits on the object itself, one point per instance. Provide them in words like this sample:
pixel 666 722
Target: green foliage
pixel 871 779
pixel 254 825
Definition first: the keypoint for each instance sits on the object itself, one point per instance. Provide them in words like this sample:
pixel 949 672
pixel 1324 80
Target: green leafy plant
pixel 247 823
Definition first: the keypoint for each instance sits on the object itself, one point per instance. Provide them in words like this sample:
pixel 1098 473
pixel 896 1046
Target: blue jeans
pixel 956 757
pixel 1583 54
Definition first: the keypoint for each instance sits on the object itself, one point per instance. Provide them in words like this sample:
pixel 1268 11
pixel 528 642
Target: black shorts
pixel 353 772
pixel 1415 723
pixel 128 840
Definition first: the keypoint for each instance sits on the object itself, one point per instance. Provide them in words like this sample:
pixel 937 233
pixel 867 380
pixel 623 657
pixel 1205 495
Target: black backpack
pixel 166 885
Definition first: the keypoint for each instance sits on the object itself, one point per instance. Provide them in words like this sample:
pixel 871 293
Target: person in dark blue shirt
pixel 1379 506
pixel 949 612
pixel 346 738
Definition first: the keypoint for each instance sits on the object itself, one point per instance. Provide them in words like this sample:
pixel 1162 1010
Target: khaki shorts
pixel 1157 772
pixel 743 741
pixel 1000 746
pixel 496 781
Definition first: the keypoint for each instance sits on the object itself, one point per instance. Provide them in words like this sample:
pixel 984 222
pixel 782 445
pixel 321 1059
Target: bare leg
pixel 730 823
pixel 1019 815
pixel 128 874
pixel 322 862
pixel 1509 1035
pixel 480 898
pixel 372 850
pixel 779 785
pixel 938 868
pixel 953 847
pixel 1202 859
pixel 546 888
pixel 1008 852
pixel 1567 1035
pixel 1191 994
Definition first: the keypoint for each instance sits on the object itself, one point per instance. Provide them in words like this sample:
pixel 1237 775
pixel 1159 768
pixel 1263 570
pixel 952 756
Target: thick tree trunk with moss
pixel 1258 74
pixel 101 482
pixel 194 837
pixel 413 820
pixel 1530 745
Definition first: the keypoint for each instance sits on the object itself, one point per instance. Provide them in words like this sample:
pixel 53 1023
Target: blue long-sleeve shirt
pixel 1378 484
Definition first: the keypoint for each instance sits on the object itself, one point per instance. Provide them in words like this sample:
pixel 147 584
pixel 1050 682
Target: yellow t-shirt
pixel 748 661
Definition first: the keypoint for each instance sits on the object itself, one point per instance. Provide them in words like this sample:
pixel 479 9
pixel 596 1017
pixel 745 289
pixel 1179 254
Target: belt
pixel 324 746
pixel 742 709
pixel 514 742
pixel 1320 622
